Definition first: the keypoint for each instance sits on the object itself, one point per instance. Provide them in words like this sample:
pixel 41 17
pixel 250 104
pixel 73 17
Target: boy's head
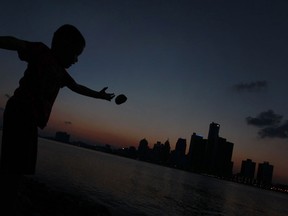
pixel 67 44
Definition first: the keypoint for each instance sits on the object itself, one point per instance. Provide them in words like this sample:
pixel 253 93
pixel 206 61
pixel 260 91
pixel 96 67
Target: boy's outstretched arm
pixel 83 90
pixel 12 43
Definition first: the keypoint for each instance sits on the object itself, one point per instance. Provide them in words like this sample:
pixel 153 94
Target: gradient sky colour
pixel 182 64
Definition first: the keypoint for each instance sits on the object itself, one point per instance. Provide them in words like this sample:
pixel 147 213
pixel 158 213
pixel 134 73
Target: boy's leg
pixel 9 188
pixel 18 153
pixel 9 174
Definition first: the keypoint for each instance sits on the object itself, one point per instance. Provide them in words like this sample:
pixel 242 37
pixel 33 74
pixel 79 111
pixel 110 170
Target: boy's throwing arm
pixel 83 90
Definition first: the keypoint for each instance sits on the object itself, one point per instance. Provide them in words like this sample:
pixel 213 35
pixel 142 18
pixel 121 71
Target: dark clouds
pixel 278 131
pixel 254 86
pixel 267 118
pixel 269 124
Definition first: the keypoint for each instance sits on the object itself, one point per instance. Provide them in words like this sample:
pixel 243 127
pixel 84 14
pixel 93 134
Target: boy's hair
pixel 67 35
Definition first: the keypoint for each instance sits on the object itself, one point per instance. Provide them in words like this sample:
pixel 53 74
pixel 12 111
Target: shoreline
pixel 38 199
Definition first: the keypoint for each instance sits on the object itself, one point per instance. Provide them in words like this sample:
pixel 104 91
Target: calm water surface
pixel 137 188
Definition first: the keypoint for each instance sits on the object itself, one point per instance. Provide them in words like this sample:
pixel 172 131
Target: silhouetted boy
pixel 31 104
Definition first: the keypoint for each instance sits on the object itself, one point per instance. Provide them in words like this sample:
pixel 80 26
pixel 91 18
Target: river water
pixel 133 187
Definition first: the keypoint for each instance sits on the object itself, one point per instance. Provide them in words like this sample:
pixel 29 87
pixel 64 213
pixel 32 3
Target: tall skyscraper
pixel 178 155
pixel 265 174
pixel 223 164
pixel 218 153
pixel 196 154
pixel 181 146
pixel 248 171
pixel 211 148
pixel 213 134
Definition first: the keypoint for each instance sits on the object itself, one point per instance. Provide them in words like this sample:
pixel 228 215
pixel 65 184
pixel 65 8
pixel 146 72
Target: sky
pixel 182 64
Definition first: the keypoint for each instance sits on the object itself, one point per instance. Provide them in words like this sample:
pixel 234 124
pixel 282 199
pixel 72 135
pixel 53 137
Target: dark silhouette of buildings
pixel 264 174
pixel 143 150
pixel 178 157
pixel 62 137
pixel 166 151
pixel 161 152
pixel 180 147
pixel 196 154
pixel 248 171
pixel 218 153
pixel 130 152
pixel 223 163
pixel 211 156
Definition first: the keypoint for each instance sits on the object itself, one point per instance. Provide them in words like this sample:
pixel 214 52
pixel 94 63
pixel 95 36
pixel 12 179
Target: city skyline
pixel 193 157
pixel 202 139
pixel 199 153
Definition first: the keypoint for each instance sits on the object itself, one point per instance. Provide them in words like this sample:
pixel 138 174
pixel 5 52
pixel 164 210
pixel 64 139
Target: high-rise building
pixel 143 149
pixel 218 153
pixel 161 152
pixel 213 134
pixel 181 146
pixel 196 154
pixel 248 171
pixel 166 151
pixel 178 157
pixel 223 164
pixel 264 174
pixel 211 148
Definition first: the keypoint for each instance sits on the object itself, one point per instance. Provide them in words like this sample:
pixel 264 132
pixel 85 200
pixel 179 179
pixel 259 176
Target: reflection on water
pixel 146 189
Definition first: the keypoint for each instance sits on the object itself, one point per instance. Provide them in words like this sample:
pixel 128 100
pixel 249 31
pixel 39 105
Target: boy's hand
pixel 106 96
pixel 80 89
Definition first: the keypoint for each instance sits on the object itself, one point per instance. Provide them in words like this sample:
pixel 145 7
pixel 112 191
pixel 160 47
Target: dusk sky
pixel 182 65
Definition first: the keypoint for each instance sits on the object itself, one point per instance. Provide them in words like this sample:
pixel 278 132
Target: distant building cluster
pixel 264 173
pixel 62 137
pixel 211 156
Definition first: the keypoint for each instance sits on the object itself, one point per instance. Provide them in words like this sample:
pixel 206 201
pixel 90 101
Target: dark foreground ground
pixel 37 199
